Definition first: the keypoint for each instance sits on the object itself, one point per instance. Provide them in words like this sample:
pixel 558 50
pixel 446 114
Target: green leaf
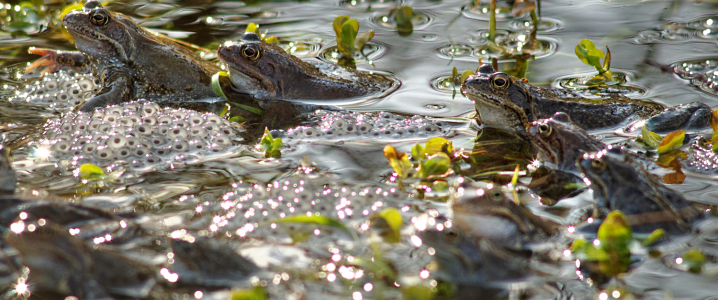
pixel 403 15
pixel 418 153
pixel 440 186
pixel 654 237
pixel 615 230
pixel 650 139
pixel 438 144
pixel 671 141
pixel 455 77
pixel 271 145
pixel 607 64
pixel 216 87
pixel 91 172
pixel 337 24
pixel 272 40
pixel 252 28
pixel 363 38
pixel 225 110
pixel 465 75
pixel 587 52
pixel 398 161
pixel 389 220
pixel 417 292
pixel 347 37
pixel 694 259
pixel 376 266
pixel 257 293
pixel 437 164
pixel 236 119
pixel 316 220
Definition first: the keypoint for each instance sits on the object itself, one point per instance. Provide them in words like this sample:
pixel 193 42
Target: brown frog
pixel 130 61
pixel 509 102
pixel 268 72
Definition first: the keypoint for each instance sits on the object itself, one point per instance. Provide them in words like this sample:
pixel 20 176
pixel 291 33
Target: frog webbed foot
pixel 694 115
pixel 118 89
pixel 55 60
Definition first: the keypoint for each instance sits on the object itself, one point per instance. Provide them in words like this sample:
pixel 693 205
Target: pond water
pixel 222 194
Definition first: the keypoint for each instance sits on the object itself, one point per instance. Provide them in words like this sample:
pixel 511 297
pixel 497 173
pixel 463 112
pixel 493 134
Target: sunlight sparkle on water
pixel 21 287
pixel 424 274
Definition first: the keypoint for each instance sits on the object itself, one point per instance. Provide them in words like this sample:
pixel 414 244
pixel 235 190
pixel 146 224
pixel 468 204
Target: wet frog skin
pixel 560 142
pixel 506 101
pixel 268 72
pixel 130 61
pixel 619 182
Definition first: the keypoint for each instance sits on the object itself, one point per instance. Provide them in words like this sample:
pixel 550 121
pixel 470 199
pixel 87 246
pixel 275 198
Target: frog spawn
pixel 60 89
pixel 384 125
pixel 247 212
pixel 702 74
pixel 137 134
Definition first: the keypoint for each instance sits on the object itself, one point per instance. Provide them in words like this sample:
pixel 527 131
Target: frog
pixel 558 143
pixel 268 72
pixel 506 101
pixel 620 182
pixel 209 263
pixel 489 213
pixel 130 61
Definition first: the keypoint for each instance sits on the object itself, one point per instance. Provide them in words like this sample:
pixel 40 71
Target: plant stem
pixel 492 20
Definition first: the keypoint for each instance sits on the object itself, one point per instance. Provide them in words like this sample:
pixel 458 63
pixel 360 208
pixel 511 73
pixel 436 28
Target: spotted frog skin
pixel 130 61
pixel 619 182
pixel 509 102
pixel 268 72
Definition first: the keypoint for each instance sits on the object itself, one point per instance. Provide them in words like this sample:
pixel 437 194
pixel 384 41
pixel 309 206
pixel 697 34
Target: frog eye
pixel 451 235
pixel 598 163
pixel 500 81
pixel 99 17
pixel 251 51
pixel 496 196
pixel 544 129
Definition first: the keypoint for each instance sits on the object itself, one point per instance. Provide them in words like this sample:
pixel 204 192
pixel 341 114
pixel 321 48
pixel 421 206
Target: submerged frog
pixel 268 72
pixel 560 142
pixel 619 182
pixel 509 102
pixel 489 214
pixel 130 61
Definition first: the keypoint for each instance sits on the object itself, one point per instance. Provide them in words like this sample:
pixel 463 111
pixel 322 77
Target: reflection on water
pixel 194 221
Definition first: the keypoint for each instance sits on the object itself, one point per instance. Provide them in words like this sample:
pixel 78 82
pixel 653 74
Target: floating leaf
pixel 399 161
pixel 654 237
pixel 216 87
pixel 91 172
pixel 673 140
pixel 316 220
pixel 694 259
pixel 437 164
pixel 438 144
pixel 389 220
pixel 674 178
pixel 465 75
pixel 650 139
pixel 257 293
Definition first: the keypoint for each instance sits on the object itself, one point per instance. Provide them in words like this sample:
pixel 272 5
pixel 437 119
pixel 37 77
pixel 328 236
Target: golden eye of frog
pixel 268 72
pixel 619 182
pixel 130 61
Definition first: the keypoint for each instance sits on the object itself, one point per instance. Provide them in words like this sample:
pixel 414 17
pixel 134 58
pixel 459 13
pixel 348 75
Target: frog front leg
pixel 56 60
pixel 117 89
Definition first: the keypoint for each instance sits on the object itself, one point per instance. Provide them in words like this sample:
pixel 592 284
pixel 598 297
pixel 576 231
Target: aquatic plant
pixel 430 163
pixel 458 79
pixel 252 27
pixel 271 145
pixel 349 42
pixel 611 250
pixel 587 52
pixel 403 16
pixel 671 141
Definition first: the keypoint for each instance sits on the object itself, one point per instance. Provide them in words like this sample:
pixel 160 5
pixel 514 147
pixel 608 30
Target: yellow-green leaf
pixel 257 293
pixel 615 229
pixel 91 172
pixel 671 141
pixel 418 153
pixel 272 40
pixel 587 52
pixel 316 220
pixel 363 38
pixel 694 259
pixel 650 139
pixel 417 292
pixel 438 144
pixel 390 222
pixel 337 24
pixel 216 87
pixel 465 75
pixel 347 37
pixel 654 237
pixel 252 28
pixel 714 120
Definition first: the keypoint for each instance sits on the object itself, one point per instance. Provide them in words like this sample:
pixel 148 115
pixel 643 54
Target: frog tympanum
pixel 268 72
pixel 130 61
